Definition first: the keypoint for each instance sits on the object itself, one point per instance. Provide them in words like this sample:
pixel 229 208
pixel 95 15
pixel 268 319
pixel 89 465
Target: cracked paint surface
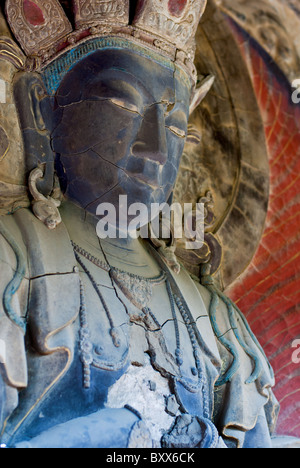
pixel 116 132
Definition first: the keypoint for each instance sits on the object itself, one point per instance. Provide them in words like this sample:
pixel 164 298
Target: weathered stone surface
pixel 133 389
pixel 194 370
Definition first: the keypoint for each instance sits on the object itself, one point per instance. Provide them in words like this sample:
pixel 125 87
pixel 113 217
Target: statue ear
pixel 34 110
pixel 37 94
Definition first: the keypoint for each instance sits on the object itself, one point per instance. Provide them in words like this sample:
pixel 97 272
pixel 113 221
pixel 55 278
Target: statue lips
pixel 146 171
pixel 143 180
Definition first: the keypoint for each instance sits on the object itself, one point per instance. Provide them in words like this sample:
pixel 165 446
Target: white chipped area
pixel 2 91
pixel 135 388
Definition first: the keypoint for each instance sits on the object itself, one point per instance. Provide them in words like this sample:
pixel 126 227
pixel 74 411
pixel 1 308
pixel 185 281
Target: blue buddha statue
pixel 103 343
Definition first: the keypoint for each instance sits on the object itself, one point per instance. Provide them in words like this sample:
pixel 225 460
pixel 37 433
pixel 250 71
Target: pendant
pixel 139 291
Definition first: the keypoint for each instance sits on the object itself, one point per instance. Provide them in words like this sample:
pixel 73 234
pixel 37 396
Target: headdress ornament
pixel 44 31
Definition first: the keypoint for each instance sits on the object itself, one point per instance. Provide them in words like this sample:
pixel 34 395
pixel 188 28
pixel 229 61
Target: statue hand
pixel 192 432
pixel 114 428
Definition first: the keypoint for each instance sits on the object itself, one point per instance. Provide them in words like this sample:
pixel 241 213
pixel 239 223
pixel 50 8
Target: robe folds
pixel 46 300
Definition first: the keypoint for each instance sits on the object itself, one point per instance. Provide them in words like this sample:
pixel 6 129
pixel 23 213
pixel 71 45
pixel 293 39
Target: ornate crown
pixel 44 31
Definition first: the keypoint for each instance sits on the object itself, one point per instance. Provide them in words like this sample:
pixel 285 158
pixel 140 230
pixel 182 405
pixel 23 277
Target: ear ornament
pixel 44 208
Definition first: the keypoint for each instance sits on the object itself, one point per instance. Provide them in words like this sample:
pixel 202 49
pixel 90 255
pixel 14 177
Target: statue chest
pixel 133 343
pixel 127 318
pixel 141 327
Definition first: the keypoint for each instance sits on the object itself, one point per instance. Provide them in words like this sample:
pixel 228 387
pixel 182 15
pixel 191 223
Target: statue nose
pixel 151 142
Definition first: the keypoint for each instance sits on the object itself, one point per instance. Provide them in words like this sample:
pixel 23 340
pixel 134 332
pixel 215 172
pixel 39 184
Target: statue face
pixel 119 127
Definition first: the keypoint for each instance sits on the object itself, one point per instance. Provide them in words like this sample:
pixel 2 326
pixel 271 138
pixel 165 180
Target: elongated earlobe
pixel 44 208
pixel 33 104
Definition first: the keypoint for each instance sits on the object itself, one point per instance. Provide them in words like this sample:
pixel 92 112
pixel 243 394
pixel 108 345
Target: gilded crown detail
pixel 174 20
pixel 43 30
pixel 93 12
pixel 37 25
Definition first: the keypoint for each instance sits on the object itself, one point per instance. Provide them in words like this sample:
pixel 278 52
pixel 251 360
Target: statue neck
pixel 127 254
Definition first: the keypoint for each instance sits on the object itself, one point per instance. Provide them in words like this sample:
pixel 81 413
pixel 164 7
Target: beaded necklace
pixel 139 291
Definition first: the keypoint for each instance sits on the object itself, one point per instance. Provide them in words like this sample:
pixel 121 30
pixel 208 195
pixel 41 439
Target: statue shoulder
pixel 13 308
pixel 236 341
pixel 14 270
pixel 203 291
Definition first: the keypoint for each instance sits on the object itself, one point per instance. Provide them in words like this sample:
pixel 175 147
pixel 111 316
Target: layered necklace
pixel 139 291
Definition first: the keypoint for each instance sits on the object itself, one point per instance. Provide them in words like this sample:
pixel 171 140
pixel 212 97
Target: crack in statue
pixel 99 335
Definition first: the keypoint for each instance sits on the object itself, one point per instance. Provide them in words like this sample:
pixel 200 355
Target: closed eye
pixel 177 131
pixel 125 105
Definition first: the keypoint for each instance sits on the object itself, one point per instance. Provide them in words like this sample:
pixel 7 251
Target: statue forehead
pixel 132 63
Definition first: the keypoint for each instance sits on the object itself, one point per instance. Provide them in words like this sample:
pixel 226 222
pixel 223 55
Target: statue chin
pixel 124 219
pixel 124 348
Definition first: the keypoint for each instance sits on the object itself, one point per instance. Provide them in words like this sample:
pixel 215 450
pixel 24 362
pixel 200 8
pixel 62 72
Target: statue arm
pixel 13 307
pixel 110 427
